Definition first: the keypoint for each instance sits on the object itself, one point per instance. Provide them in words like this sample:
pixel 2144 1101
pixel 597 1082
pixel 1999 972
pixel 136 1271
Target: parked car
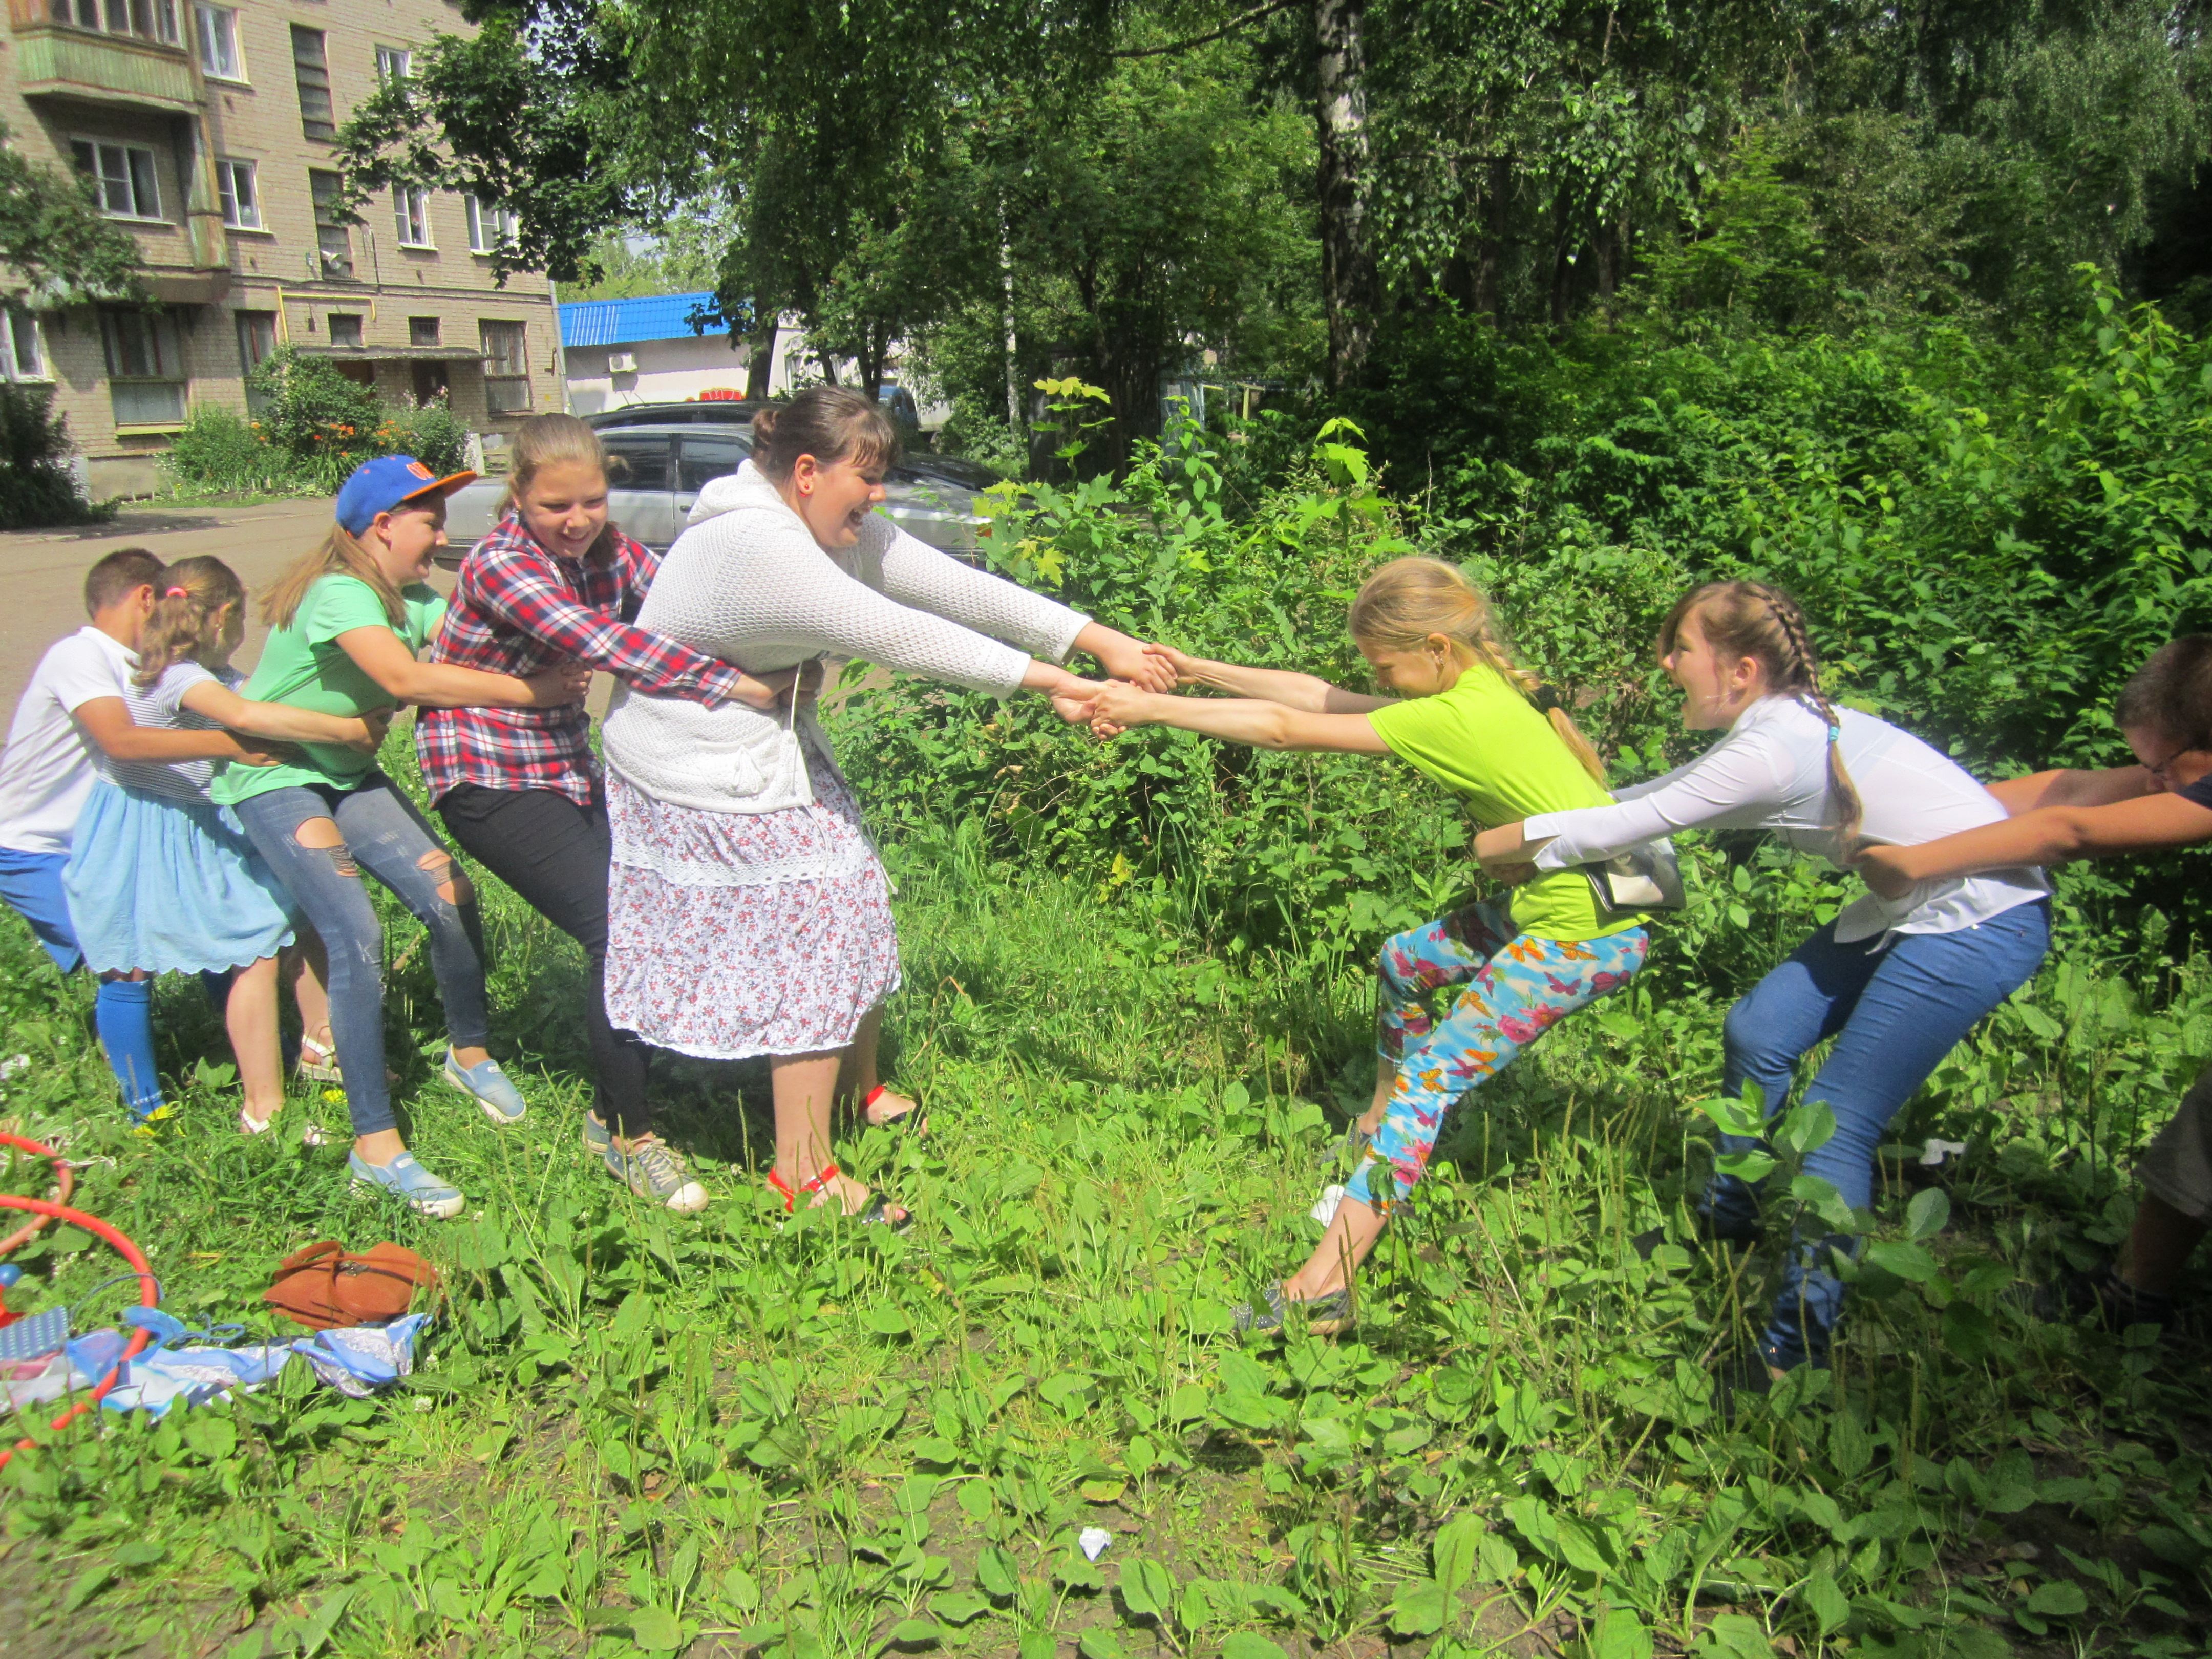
pixel 655 472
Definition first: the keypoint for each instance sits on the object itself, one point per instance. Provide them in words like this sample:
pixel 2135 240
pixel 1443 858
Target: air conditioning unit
pixel 622 362
pixel 337 266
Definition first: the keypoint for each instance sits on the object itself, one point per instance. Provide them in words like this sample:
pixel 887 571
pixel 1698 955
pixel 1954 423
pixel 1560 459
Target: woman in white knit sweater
pixel 748 912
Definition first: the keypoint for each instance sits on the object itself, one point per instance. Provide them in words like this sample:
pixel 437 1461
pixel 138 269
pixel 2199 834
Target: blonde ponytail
pixel 1402 606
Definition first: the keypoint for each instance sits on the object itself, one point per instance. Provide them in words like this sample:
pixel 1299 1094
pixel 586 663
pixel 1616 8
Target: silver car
pixel 655 472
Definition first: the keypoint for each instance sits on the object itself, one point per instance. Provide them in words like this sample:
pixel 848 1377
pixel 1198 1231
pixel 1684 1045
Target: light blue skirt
pixel 170 886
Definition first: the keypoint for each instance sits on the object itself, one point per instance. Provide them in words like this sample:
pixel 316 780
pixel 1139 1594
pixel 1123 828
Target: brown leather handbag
pixel 323 1286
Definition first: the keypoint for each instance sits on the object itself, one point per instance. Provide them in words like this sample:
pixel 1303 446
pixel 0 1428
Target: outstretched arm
pixel 2049 834
pixel 1246 720
pixel 1308 692
pixel 107 722
pixel 384 657
pixel 2071 788
pixel 218 702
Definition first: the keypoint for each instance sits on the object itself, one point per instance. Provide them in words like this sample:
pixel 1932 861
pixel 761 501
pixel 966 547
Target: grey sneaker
pixel 409 1182
pixel 1325 1315
pixel 489 1087
pixel 655 1172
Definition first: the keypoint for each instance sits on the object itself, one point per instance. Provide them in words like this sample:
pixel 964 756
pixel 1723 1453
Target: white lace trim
pixel 854 858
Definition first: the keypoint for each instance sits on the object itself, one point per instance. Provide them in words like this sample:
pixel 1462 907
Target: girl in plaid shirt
pixel 520 789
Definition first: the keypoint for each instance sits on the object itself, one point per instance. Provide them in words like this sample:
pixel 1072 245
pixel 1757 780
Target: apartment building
pixel 207 131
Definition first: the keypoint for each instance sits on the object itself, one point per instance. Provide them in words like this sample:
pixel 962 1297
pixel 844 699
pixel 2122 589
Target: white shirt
pixel 47 768
pixel 161 707
pixel 1770 771
pixel 748 583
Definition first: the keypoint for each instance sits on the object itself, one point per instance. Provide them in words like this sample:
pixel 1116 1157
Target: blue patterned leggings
pixel 1517 987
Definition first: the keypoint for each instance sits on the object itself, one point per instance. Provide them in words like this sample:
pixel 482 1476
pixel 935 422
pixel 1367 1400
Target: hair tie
pixel 1835 734
pixel 1546 698
pixel 176 594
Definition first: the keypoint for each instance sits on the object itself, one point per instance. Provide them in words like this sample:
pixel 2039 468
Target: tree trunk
pixel 1347 257
pixel 1489 254
pixel 1007 319
pixel 828 365
pixel 760 366
pixel 1563 259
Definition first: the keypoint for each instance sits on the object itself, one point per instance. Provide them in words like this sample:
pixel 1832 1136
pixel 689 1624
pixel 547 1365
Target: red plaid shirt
pixel 518 609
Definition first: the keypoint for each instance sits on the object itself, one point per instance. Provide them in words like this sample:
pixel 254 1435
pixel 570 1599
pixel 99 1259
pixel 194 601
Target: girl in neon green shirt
pixel 1463 713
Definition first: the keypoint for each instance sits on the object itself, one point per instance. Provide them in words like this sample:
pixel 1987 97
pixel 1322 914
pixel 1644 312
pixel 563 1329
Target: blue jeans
pixel 1896 1004
pixel 371 827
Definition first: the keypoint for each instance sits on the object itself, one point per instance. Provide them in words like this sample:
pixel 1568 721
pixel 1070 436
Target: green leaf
pixel 86 1585
pixel 1420 1607
pixel 1967 1332
pixel 741 1591
pixel 917 1633
pixel 1827 1604
pixel 1148 1588
pixel 2057 1598
pixel 1244 1644
pixel 958 1606
pixel 1908 1261
pixel 657 1629
pixel 1928 1214
pixel 1100 1642
pixel 1457 1550
pixel 885 1321
pixel 995 1572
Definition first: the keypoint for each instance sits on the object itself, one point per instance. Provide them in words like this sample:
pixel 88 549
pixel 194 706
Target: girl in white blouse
pixel 1897 982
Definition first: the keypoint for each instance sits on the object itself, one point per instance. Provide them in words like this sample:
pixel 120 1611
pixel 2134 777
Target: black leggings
pixel 555 854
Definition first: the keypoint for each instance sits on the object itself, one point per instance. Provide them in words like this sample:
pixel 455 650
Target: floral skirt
pixel 731 934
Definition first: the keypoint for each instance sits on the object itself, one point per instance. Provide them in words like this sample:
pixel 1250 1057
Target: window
pixel 490 225
pixel 345 329
pixel 312 72
pixel 411 209
pixel 241 201
pixel 701 460
pixel 149 20
pixel 257 339
pixel 421 331
pixel 124 176
pixel 636 463
pixel 22 354
pixel 145 371
pixel 507 367
pixel 332 237
pixel 392 64
pixel 217 29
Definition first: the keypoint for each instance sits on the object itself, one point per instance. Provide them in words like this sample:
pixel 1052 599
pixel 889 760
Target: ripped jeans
pixel 318 842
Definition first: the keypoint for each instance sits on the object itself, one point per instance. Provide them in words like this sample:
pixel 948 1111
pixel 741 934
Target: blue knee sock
pixel 123 1012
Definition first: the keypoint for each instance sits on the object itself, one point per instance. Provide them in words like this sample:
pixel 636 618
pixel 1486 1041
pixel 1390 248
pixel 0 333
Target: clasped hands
pixel 1139 669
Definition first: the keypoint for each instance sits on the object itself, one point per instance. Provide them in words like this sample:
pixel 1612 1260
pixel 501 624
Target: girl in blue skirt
pixel 162 880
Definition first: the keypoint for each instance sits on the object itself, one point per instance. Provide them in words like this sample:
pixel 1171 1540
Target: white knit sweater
pixel 748 583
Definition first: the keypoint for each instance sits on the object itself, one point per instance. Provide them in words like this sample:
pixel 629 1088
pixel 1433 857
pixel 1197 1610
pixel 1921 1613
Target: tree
pixel 53 239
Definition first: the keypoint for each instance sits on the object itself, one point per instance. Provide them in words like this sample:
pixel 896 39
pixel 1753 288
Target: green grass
pixel 636 1430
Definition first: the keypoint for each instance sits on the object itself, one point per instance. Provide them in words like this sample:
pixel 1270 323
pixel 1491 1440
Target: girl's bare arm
pixel 1306 692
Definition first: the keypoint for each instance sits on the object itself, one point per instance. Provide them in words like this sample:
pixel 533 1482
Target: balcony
pixel 56 58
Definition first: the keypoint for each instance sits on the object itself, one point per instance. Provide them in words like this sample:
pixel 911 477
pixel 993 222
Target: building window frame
pixel 410 216
pixel 425 331
pixel 140 20
pixel 333 238
pixel 215 35
pixel 23 358
pixel 310 76
pixel 350 324
pixel 238 180
pixel 147 383
pixel 506 346
pixel 487 220
pixel 394 64
pixel 136 173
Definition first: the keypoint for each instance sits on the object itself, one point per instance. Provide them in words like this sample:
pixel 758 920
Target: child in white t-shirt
pixel 74 705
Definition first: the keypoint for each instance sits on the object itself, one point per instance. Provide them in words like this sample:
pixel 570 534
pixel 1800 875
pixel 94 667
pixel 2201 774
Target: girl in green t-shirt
pixel 348 621
pixel 1463 713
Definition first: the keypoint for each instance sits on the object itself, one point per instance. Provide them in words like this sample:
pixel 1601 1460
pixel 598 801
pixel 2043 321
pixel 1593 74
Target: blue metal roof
pixel 620 322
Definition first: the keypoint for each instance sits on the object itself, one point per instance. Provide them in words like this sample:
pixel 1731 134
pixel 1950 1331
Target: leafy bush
pixel 430 433
pixel 324 424
pixel 219 451
pixel 36 487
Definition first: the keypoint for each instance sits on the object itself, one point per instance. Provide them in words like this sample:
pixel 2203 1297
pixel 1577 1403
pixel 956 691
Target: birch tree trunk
pixel 1348 258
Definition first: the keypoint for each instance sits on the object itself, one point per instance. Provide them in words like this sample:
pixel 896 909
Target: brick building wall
pixel 204 135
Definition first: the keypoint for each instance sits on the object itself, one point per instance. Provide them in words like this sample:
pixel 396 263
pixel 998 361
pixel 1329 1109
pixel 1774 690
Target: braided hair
pixel 1753 619
pixel 1407 600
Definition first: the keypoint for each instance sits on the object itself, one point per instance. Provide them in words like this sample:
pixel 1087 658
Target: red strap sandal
pixel 911 1120
pixel 877 1214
